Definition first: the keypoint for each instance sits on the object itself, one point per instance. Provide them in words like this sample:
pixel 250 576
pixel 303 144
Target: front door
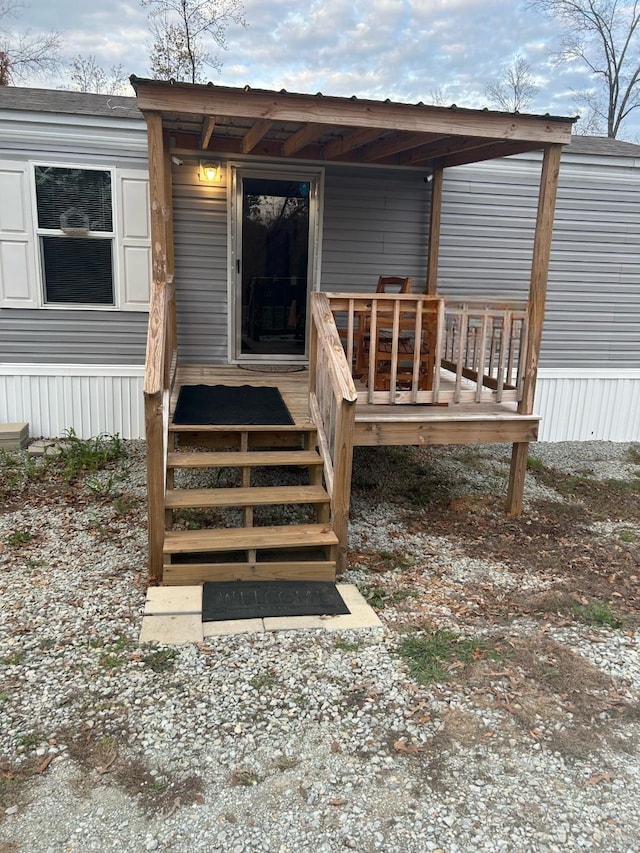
pixel 275 236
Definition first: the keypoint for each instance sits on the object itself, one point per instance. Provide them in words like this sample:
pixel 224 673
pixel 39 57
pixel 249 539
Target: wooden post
pixel 537 298
pixel 155 482
pixel 435 218
pixel 168 219
pixel 156 375
pixel 342 467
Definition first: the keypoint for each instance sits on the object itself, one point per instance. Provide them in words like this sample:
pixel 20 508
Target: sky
pixel 443 51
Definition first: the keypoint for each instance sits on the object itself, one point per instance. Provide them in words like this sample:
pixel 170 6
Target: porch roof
pixel 326 128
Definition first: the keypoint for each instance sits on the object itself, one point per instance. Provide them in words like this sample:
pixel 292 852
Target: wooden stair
pixel 290 550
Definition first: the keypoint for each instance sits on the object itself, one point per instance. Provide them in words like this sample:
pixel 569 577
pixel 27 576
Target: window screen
pixel 74 198
pixel 77 264
pixel 77 270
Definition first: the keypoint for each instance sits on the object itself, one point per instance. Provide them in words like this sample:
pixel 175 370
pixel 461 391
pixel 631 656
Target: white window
pixel 75 227
pixel 74 237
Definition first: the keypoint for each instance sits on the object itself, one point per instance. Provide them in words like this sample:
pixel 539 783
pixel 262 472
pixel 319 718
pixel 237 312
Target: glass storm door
pixel 274 223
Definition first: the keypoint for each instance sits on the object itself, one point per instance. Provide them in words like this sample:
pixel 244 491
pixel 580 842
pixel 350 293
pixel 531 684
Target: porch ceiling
pixel 330 129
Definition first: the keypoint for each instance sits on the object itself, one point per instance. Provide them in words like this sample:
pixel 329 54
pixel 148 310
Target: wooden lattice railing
pixel 160 368
pixel 408 348
pixel 332 398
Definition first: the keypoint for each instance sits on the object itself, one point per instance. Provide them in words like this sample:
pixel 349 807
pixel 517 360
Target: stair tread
pixel 245 496
pixel 239 459
pixel 239 538
pixel 298 427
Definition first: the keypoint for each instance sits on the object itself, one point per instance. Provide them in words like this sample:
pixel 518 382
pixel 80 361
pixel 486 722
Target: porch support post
pixel 537 298
pixel 168 219
pixel 434 230
pixel 342 467
pixel 155 386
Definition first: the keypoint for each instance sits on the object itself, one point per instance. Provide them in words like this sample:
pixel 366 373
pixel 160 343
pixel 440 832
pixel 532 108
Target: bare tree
pixel 604 36
pixel 24 53
pixel 181 31
pixel 85 75
pixel 516 88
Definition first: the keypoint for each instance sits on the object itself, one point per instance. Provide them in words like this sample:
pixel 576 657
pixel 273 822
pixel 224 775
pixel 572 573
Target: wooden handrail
pixel 332 398
pixel 160 366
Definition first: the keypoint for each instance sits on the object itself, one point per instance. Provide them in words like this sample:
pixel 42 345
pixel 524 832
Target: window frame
pixel 39 233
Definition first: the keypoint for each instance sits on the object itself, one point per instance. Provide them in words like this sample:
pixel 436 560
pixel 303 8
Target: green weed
pixel 534 464
pixel 628 536
pixel 633 454
pixel 431 656
pixel 79 456
pixel 30 740
pixel 21 536
pixel 597 613
pixel 160 660
pixel 13 659
pixel 346 646
pixel 262 681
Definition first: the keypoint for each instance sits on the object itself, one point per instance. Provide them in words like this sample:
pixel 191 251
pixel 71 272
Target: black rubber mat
pixel 259 599
pixel 229 404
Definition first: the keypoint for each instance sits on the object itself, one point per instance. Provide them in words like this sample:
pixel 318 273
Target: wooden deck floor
pixel 463 423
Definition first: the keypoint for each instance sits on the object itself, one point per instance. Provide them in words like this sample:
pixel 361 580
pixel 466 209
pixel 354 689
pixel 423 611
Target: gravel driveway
pixel 497 710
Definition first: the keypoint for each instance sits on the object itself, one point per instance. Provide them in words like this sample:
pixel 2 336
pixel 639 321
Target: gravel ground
pixel 305 741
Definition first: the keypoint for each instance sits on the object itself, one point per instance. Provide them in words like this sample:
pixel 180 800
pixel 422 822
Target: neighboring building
pixel 75 357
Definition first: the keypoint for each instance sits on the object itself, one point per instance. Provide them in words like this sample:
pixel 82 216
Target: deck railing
pixel 160 367
pixel 409 348
pixel 332 397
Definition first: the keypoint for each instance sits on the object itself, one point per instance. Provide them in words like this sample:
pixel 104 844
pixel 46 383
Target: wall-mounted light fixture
pixel 209 172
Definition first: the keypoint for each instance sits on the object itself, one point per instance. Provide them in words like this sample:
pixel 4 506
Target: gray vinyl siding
pixel 593 302
pixel 200 239
pixel 59 336
pixel 376 222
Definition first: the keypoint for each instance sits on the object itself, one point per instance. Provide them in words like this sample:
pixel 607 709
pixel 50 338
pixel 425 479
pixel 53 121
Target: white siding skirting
pixel 575 405
pixel 588 404
pixel 92 399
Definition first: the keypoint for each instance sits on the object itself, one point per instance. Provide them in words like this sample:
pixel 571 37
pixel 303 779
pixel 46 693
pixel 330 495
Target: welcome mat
pixel 232 405
pixel 260 599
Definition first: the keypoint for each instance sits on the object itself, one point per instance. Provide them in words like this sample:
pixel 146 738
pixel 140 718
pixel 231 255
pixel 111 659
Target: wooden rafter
pixel 255 134
pixel 486 152
pixel 396 144
pixel 208 126
pixel 307 134
pixel 349 141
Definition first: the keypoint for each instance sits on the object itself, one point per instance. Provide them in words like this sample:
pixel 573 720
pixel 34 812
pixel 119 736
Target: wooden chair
pixel 394 284
pixel 407 344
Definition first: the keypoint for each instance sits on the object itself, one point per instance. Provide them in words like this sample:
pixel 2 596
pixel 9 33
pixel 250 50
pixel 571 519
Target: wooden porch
pixel 415 368
pixel 470 400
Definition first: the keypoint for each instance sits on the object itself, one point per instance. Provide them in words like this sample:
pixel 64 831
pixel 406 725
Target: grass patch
pixel 21 536
pixel 596 613
pixel 633 454
pixel 13 659
pixel 435 656
pixel 534 464
pixel 346 646
pixel 262 681
pixel 160 660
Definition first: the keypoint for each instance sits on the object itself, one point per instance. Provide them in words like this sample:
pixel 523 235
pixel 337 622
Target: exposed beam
pixel 343 112
pixel 303 137
pixel 434 231
pixel 395 145
pixel 349 141
pixel 208 125
pixel 486 152
pixel 255 133
pixel 440 147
